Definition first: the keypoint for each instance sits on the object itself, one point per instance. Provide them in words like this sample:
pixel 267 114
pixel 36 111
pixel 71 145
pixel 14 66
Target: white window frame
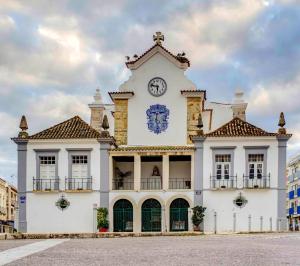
pixel 222 165
pixel 256 173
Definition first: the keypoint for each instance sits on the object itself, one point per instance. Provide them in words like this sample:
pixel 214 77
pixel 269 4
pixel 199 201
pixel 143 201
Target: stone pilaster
pixel 194 108
pixel 198 171
pixel 165 172
pixel 105 144
pixel 281 192
pixel 121 121
pixel 22 183
pixel 137 172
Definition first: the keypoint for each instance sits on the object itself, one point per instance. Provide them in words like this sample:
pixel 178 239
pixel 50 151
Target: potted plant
pixel 197 217
pixel 102 222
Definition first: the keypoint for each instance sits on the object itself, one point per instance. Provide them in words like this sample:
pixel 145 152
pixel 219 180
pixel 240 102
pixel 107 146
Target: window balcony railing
pixel 263 182
pixel 45 184
pixel 119 184
pixel 291 194
pixel 223 183
pixel 78 184
pixel 150 184
pixel 177 183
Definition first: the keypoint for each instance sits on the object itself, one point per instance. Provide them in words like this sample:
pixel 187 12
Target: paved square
pixel 263 249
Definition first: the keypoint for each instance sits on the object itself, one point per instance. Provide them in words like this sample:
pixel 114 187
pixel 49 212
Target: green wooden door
pixel 151 216
pixel 123 216
pixel 179 215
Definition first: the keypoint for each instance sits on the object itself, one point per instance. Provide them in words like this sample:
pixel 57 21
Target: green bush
pixel 198 215
pixel 102 221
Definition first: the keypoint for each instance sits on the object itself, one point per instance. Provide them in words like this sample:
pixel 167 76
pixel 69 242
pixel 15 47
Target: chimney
pixel 97 108
pixel 239 106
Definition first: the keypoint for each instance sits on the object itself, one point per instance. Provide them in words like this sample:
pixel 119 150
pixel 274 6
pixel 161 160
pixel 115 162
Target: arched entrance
pixel 123 216
pixel 151 216
pixel 179 215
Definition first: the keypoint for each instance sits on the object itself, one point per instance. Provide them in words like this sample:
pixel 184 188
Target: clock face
pixel 157 87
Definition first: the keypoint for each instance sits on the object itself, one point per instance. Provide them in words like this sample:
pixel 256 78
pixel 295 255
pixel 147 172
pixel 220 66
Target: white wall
pixel 42 214
pixel 180 170
pixel 261 202
pixel 138 133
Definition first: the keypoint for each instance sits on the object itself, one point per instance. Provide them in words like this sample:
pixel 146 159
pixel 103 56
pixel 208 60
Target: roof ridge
pixel 223 130
pixel 165 49
pixel 69 131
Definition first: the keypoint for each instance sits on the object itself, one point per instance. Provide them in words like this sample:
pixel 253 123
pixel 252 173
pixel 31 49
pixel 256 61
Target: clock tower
pixel 151 107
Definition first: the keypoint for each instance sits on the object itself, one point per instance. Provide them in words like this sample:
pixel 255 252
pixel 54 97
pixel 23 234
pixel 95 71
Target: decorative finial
pixel 105 126
pixel 281 124
pixel 200 125
pixel 23 126
pixel 97 96
pixel 158 38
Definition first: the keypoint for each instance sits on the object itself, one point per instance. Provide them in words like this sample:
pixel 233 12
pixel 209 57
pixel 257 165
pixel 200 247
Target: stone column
pixel 198 172
pixel 165 172
pixel 281 194
pixel 137 172
pixel 22 183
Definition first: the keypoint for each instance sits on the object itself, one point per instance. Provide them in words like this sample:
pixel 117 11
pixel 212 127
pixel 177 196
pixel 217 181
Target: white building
pixel 293 195
pixel 167 150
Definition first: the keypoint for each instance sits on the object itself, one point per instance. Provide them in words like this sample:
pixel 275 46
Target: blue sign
pixel 157 118
pixel 22 199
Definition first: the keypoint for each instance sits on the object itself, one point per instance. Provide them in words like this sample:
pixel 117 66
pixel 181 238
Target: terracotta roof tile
pixel 74 128
pixel 181 59
pixel 239 128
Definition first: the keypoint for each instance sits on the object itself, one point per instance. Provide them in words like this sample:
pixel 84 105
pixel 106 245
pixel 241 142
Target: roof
pixel 239 128
pixel 191 92
pixel 180 59
pixel 74 128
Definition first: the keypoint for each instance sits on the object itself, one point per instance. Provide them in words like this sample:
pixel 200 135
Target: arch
pixel 151 215
pixel 178 196
pixel 123 216
pixel 179 215
pixel 142 200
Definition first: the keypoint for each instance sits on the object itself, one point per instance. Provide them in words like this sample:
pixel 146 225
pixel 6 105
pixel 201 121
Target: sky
pixel 54 54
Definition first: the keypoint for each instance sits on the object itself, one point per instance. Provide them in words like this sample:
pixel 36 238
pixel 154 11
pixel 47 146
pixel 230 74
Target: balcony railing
pixel 150 184
pixel 78 184
pixel 263 182
pixel 291 194
pixel 223 183
pixel 119 184
pixel 177 183
pixel 45 184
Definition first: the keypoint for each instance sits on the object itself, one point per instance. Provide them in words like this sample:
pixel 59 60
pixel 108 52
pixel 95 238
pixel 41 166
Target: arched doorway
pixel 151 216
pixel 123 216
pixel 179 215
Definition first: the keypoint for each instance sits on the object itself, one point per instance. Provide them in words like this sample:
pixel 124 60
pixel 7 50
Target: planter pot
pixel 103 230
pixel 196 228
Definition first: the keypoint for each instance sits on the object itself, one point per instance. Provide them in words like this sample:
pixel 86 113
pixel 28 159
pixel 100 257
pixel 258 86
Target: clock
pixel 157 87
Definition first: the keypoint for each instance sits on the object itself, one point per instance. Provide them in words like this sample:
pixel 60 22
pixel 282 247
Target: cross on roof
pixel 158 37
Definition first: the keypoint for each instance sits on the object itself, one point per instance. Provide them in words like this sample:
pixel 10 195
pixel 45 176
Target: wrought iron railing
pixel 45 184
pixel 119 184
pixel 77 184
pixel 150 184
pixel 226 182
pixel 179 183
pixel 257 182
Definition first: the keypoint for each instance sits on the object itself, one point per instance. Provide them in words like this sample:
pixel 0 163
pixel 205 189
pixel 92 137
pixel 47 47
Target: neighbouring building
pixel 293 193
pixel 160 149
pixel 8 205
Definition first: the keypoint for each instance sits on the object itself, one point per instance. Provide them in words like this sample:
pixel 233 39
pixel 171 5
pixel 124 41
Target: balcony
pixel 256 183
pixel 291 194
pixel 223 183
pixel 45 184
pixel 78 184
pixel 120 184
pixel 176 183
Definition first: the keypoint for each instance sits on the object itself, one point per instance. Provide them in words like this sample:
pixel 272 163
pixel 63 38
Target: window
pixel 79 166
pixel 256 164
pixel 47 167
pixel 223 162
